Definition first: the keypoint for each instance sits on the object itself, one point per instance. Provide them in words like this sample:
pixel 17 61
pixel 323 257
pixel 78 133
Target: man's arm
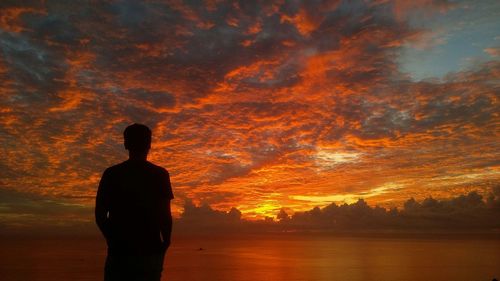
pixel 165 211
pixel 102 205
pixel 166 222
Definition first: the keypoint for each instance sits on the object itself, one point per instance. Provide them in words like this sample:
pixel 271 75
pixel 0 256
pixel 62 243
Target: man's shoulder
pixel 114 169
pixel 126 166
pixel 116 166
pixel 157 168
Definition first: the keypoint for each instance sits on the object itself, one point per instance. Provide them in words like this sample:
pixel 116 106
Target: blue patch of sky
pixel 456 42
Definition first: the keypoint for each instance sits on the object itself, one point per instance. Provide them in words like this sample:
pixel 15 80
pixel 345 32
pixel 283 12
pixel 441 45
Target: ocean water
pixel 266 257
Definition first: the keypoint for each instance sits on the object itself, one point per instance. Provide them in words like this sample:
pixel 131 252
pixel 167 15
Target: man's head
pixel 137 138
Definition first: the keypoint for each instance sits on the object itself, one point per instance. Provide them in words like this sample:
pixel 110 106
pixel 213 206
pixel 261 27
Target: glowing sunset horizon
pixel 261 106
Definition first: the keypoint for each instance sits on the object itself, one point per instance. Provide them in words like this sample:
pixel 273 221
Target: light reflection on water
pixel 271 257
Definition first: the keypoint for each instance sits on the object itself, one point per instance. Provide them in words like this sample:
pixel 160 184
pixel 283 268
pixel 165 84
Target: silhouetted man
pixel 133 212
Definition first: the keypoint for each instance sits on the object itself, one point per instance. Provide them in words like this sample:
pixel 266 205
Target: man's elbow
pixel 101 219
pixel 99 222
pixel 166 224
pixel 99 215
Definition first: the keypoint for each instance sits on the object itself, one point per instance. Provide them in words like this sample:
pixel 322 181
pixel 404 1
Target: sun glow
pixel 350 198
pixel 330 158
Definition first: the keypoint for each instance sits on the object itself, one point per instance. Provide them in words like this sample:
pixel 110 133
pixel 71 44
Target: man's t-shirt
pixel 135 194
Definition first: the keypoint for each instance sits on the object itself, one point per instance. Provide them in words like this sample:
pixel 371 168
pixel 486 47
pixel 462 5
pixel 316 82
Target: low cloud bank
pixel 26 214
pixel 470 212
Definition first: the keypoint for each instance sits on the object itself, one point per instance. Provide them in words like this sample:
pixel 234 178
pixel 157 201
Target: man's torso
pixel 134 191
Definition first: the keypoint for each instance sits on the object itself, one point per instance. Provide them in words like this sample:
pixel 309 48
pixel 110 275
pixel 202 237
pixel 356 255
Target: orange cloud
pixel 284 106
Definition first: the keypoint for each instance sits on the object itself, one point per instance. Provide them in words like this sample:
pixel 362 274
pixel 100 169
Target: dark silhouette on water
pixel 133 212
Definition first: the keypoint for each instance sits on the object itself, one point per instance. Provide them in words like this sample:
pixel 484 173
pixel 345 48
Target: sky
pixel 258 105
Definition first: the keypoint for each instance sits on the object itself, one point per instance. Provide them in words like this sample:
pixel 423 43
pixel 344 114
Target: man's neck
pixel 137 156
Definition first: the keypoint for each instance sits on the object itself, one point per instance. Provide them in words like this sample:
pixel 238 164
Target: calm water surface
pixel 266 257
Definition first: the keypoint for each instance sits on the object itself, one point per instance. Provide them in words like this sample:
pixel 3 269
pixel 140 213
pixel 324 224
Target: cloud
pixel 494 52
pixel 403 8
pixel 204 219
pixel 468 213
pixel 27 213
pixel 464 212
pixel 250 105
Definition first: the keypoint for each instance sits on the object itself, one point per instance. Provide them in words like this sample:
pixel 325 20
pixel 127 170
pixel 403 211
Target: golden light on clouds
pixel 329 159
pixel 350 198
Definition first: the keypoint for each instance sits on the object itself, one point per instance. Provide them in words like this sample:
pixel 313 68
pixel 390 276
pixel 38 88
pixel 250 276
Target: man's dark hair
pixel 137 137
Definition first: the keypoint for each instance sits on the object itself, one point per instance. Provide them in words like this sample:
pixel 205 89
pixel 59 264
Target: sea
pixel 274 257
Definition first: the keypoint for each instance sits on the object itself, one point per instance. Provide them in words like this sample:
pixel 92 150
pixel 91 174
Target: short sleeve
pixel 166 186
